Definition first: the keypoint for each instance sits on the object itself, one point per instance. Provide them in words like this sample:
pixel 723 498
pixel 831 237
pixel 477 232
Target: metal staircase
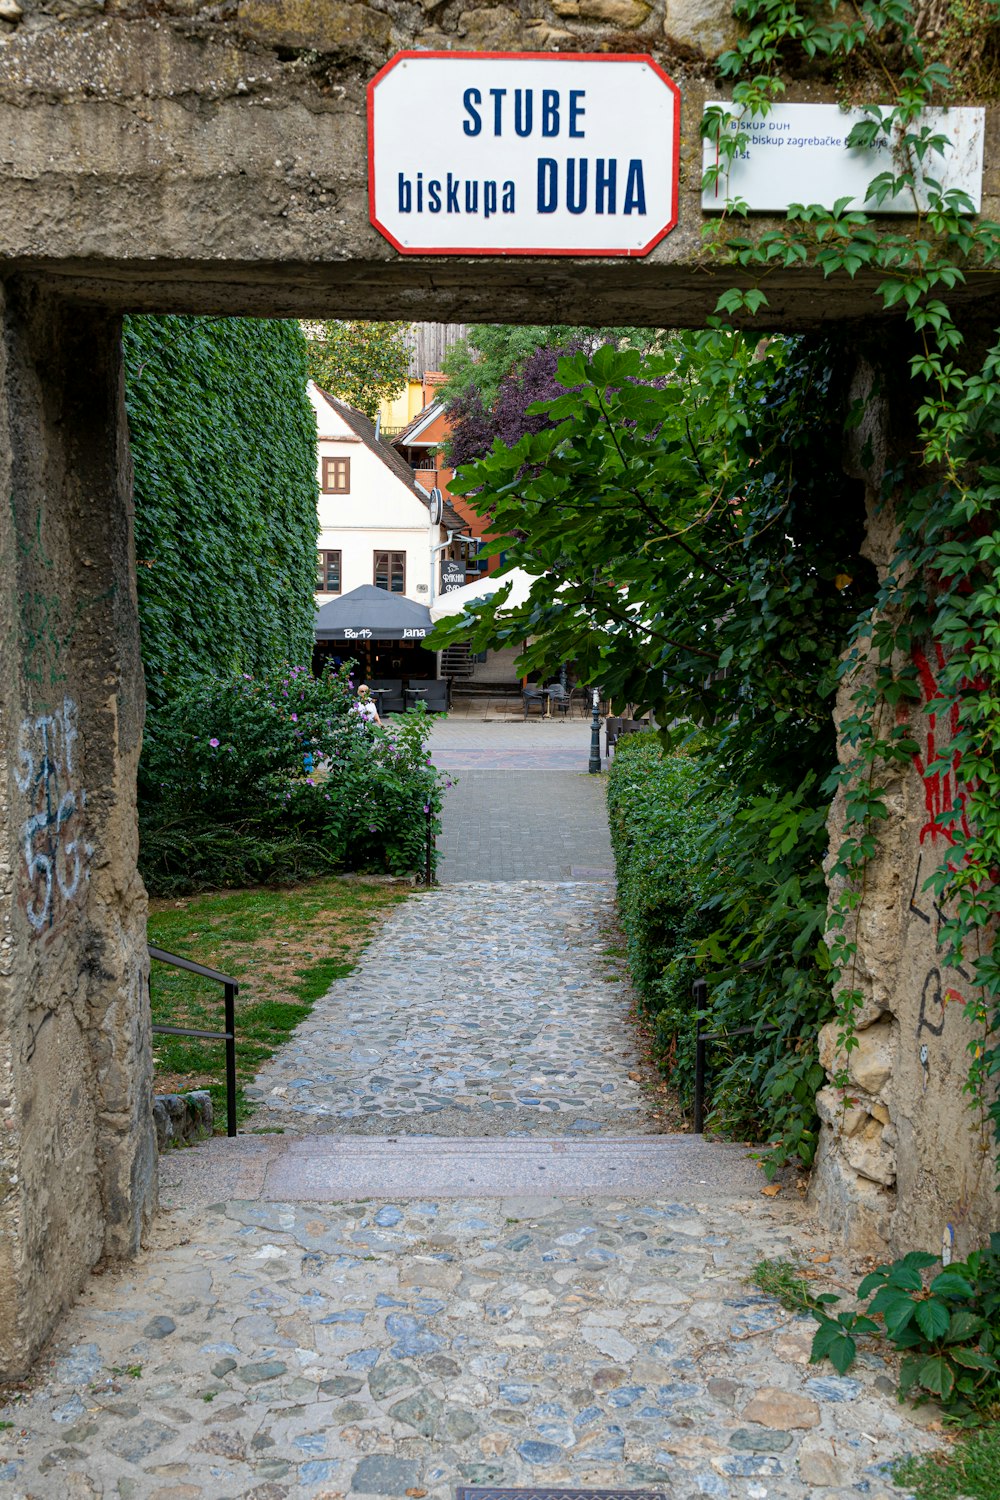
pixel 456 662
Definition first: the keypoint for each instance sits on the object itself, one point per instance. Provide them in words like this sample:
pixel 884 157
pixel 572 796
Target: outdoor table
pixel 411 695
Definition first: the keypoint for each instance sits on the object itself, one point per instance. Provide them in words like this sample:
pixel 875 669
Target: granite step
pixel 330 1168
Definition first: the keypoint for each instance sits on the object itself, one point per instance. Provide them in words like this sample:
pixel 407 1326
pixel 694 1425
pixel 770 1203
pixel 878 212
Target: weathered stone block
pixel 820 1465
pixel 772 1407
pixel 871 1155
pixel 625 13
pixel 870 1065
pixel 181 1119
pixel 320 25
pixel 491 26
pixel 708 27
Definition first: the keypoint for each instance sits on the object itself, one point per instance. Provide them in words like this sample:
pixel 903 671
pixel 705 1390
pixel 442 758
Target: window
pixel 390 572
pixel 336 476
pixel 478 560
pixel 328 573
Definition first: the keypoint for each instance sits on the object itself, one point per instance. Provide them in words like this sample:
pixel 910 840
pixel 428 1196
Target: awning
pixel 372 614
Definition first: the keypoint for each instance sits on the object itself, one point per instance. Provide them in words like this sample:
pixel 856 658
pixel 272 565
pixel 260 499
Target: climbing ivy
pixel 942 585
pixel 224 447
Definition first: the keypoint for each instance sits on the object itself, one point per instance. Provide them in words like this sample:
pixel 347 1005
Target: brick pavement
pixel 524 806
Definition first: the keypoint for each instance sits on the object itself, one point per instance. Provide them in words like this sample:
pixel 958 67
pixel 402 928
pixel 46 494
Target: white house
pixel 374 518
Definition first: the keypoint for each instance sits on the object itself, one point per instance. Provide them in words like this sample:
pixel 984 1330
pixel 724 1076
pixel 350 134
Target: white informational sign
pixel 522 153
pixel 798 155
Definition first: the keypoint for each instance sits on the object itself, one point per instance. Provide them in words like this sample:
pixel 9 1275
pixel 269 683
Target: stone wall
pixel 905 1161
pixel 167 155
pixel 78 1180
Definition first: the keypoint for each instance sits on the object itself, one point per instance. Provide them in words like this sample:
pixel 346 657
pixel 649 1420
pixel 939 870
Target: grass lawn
pixel 971 1467
pixel 285 947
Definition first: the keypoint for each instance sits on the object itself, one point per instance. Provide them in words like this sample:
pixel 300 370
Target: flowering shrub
pixel 247 779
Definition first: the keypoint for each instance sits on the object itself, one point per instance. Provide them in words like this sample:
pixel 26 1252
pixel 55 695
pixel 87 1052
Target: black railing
pixel 231 990
pixel 699 995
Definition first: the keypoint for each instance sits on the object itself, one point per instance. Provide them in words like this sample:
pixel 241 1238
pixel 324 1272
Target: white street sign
pixel 798 155
pixel 522 153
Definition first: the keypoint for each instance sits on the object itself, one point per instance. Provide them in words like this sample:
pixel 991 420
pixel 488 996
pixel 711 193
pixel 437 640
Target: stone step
pixel 331 1168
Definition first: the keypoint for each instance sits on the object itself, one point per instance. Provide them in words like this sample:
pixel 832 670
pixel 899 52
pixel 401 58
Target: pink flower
pixel 214 744
pixel 295 718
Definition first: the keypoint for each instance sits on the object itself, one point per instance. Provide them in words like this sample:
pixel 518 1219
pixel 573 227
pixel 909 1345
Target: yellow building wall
pixel 400 410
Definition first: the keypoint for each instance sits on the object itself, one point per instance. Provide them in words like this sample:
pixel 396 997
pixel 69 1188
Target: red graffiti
pixel 943 790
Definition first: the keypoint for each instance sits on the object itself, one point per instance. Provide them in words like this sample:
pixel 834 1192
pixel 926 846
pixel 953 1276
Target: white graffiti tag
pixel 55 855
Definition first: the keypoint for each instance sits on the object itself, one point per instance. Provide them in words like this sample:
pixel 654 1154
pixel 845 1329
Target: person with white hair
pixel 366 708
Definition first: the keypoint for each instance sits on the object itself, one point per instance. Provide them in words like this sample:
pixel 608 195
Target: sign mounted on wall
pixel 523 153
pixel 798 154
pixel 452 575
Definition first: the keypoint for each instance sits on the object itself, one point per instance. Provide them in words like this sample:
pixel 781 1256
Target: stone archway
pixel 176 162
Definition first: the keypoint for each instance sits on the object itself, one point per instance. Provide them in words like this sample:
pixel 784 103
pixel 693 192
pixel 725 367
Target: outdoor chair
pixel 533 698
pixel 391 688
pixel 435 698
pixel 559 698
pixel 612 729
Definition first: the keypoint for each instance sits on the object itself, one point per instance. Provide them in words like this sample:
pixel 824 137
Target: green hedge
pixel 696 874
pixel 223 443
pixel 656 814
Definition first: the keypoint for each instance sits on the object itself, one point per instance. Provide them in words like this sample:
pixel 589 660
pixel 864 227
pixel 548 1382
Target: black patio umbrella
pixel 372 614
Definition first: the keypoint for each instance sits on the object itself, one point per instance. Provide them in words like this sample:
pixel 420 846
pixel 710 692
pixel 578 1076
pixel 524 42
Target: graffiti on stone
pixel 940 770
pixel 55 852
pixel 941 774
pixel 933 999
pixel 30 1045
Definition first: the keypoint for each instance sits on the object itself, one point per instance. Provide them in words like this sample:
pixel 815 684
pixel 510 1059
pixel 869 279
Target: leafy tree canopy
pixel 694 558
pixel 361 363
pixel 499 371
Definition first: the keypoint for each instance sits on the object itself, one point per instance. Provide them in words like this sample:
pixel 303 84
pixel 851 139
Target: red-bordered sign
pixel 523 153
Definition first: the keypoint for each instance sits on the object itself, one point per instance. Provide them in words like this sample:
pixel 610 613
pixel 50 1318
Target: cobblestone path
pixel 399 1348
pixel 323 1314
pixel 479 1009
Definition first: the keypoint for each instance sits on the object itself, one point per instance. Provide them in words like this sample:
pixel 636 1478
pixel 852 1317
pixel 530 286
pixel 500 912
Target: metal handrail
pixel 231 989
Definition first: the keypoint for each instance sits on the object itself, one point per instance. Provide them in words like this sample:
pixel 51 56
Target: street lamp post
pixel 595 736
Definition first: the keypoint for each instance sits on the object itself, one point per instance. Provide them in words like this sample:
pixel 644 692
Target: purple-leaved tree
pixel 474 426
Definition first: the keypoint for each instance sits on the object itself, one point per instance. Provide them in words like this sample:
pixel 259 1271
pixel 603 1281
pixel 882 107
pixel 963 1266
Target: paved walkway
pixel 483 1269
pixel 524 806
pixel 514 744
pixel 400 1348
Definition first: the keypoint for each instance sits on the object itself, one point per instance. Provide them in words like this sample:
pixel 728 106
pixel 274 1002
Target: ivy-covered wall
pixel 224 447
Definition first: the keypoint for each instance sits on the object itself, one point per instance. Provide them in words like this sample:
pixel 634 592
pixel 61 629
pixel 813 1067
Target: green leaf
pixel 842 1354
pixel 951 1284
pixel 933 1319
pixel 964 1325
pixel 972 1359
pixel 937 1376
